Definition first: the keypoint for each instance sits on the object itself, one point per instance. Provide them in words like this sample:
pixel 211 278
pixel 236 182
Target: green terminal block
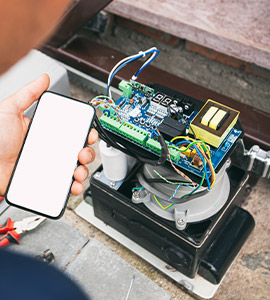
pixel 126 88
pixel 155 146
pixel 110 122
pixel 174 154
pixel 102 108
pixel 134 133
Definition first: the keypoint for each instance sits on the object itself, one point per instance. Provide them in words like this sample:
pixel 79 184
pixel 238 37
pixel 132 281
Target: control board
pixel 142 111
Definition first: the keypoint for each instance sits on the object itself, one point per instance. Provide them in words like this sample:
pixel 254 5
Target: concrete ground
pixel 249 276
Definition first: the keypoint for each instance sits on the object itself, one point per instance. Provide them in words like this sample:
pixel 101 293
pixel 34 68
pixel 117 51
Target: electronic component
pixel 171 128
pixel 114 162
pixel 144 89
pixel 213 122
pixel 136 123
pixel 197 161
pixel 126 88
pixel 187 106
pixel 162 103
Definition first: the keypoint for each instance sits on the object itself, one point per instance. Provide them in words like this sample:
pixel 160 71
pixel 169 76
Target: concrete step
pixel 104 275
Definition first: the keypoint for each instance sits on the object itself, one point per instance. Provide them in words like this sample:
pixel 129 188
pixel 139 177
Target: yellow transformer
pixel 213 122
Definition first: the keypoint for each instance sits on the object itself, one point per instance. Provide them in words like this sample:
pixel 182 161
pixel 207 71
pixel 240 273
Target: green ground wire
pixel 171 182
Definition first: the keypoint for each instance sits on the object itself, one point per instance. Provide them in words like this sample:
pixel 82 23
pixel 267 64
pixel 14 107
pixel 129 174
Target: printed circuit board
pixel 143 110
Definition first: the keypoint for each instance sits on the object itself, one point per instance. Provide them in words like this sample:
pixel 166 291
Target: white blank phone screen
pixel 44 172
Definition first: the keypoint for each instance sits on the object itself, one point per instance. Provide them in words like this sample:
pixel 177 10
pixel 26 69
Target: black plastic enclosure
pixel 207 248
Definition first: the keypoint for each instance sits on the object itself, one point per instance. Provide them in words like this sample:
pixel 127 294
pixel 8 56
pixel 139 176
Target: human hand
pixel 13 129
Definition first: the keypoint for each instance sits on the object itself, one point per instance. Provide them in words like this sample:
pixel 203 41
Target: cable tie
pixel 143 53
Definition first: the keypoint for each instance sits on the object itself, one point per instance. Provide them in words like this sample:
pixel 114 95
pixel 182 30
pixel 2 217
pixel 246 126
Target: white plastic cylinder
pixel 114 162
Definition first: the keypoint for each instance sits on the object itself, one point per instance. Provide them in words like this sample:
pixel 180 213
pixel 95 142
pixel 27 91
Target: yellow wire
pixel 161 204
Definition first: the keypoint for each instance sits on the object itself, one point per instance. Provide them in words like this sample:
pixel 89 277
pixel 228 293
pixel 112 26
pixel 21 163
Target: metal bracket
pixel 255 160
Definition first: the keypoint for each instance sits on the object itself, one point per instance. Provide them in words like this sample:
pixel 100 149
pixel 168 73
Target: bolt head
pixel 181 222
pixel 97 175
pixel 256 148
pixel 136 195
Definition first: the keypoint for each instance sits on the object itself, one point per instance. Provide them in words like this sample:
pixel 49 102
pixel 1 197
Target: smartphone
pixel 43 174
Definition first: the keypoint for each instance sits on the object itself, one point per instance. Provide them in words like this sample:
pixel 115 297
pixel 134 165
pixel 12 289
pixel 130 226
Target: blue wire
pixel 132 59
pixel 123 65
pixel 157 53
pixel 172 196
pixel 153 130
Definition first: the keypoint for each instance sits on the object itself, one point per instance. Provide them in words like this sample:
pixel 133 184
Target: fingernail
pixel 89 157
pixel 85 174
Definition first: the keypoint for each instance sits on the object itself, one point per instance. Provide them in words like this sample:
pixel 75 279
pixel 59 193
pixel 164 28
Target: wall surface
pixel 176 58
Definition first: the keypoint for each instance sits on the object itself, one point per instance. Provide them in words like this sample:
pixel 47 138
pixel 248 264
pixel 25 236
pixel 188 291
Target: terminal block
pixel 134 133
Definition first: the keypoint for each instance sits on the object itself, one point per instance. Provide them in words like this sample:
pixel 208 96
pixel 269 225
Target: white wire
pixel 114 68
pixel 146 62
pixel 139 54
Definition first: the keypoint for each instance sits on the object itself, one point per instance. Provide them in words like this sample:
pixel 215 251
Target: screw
pixel 97 175
pixel 112 183
pixel 136 195
pixel 256 148
pixel 186 107
pixel 181 222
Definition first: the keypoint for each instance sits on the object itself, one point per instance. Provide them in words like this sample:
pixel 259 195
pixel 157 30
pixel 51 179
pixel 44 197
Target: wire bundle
pixel 122 63
pixel 106 101
pixel 204 153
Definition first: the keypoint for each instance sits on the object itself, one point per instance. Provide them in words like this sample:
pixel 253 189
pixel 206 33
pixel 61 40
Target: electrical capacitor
pixel 114 162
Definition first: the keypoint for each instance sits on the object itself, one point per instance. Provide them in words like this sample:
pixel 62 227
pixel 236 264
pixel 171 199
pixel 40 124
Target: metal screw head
pixel 181 222
pixel 256 148
pixel 136 195
pixel 112 183
pixel 97 175
pixel 186 107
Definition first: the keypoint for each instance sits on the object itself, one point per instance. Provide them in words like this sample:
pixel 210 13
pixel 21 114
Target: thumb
pixel 28 94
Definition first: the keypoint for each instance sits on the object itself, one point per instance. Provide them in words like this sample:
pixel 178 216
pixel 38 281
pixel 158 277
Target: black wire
pixel 104 136
pixel 164 150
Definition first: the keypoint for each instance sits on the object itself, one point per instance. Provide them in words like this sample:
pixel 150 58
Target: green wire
pixel 164 208
pixel 171 182
pixel 137 188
